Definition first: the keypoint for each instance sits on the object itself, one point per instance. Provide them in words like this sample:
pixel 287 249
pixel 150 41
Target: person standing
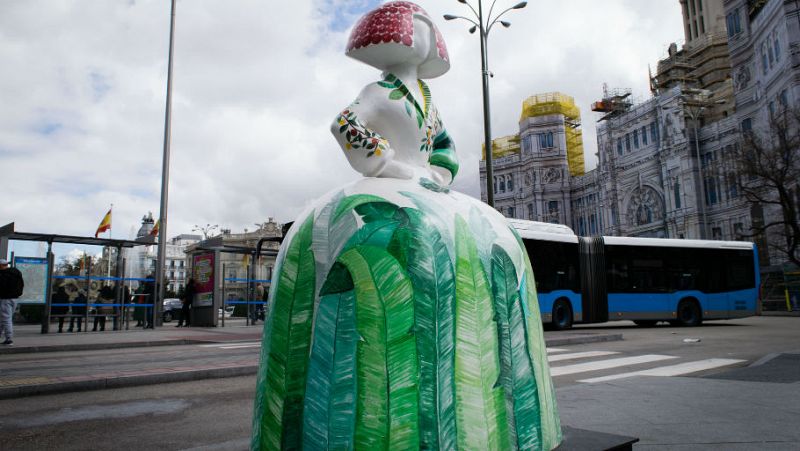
pixel 59 306
pixel 78 311
pixel 187 299
pixel 11 286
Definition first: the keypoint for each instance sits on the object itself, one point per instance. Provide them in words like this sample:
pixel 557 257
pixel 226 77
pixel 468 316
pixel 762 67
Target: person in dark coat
pixel 59 307
pixel 106 296
pixel 78 311
pixel 187 299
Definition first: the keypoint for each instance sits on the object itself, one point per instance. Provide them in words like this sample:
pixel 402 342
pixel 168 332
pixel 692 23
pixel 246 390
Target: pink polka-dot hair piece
pixel 393 24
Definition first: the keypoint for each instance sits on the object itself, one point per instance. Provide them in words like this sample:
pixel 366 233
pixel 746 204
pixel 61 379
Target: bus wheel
pixel 645 322
pixel 562 315
pixel 689 314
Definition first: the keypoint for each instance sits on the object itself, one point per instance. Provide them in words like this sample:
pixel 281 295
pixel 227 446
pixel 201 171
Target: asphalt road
pixel 732 405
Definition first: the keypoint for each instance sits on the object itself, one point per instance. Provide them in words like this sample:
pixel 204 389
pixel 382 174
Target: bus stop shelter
pixel 218 282
pixel 8 233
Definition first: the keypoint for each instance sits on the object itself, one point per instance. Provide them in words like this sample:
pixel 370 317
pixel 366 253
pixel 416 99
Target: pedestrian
pixel 187 299
pixel 78 311
pixel 259 296
pixel 106 296
pixel 11 286
pixel 149 290
pixel 59 306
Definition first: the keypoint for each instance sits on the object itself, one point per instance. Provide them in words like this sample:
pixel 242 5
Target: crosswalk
pixel 233 345
pixel 586 362
pixel 564 362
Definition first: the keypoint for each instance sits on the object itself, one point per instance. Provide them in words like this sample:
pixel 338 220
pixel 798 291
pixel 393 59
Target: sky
pixel 256 85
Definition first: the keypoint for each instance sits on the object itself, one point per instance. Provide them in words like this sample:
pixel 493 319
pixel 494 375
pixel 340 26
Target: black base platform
pixel 583 440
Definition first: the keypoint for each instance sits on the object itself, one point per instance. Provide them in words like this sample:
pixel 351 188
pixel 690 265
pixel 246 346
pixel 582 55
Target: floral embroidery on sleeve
pixel 358 136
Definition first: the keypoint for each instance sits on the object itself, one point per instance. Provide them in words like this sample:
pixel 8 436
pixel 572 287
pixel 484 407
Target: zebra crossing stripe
pixel 233 345
pixel 607 364
pixel 579 355
pixel 670 370
pixel 555 350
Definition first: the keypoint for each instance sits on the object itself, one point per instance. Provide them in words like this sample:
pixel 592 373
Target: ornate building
pixel 665 166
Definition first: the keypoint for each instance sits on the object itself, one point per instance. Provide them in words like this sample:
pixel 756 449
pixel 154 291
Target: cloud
pixel 256 85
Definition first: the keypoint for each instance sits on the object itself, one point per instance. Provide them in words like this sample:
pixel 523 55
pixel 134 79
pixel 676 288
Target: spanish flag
pixel 105 224
pixel 154 232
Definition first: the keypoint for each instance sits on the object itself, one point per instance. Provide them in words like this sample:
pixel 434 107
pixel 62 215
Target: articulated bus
pixel 646 280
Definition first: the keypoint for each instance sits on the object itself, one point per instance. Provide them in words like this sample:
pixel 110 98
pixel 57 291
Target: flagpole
pixel 162 231
pixel 108 249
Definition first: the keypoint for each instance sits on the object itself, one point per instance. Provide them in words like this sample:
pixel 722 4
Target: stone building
pixel 236 265
pixel 665 165
pixel 144 258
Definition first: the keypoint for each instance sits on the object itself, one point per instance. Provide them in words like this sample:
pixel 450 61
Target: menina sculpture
pixel 404 314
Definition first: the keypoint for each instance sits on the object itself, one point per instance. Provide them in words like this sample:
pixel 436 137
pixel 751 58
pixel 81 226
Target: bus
pixel 645 280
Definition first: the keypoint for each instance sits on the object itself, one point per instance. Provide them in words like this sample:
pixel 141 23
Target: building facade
pixel 176 266
pixel 665 166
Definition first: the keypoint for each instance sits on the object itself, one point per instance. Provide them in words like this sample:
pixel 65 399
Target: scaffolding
pixel 556 103
pixel 503 147
pixel 614 103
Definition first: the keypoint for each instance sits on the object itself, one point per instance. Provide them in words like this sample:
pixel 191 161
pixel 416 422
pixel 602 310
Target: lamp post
pixel 206 229
pixel 484 27
pixel 162 230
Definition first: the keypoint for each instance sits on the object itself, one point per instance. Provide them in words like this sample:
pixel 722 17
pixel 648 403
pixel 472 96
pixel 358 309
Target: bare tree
pixel 769 163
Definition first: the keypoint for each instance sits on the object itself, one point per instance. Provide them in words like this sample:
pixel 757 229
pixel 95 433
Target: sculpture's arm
pixel 444 160
pixel 367 151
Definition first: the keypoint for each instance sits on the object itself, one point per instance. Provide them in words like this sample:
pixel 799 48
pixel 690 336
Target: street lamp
pixel 206 229
pixel 484 27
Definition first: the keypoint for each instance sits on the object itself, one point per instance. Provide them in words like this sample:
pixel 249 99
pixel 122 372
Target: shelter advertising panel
pixel 204 276
pixel 34 273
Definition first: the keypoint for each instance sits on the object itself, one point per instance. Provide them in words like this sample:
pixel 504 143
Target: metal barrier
pixel 242 291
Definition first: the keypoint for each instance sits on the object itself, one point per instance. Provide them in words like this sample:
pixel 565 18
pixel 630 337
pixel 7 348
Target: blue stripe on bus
pixel 546 301
pixel 667 303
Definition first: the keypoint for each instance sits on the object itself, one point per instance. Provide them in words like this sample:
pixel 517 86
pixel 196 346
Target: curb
pixel 97 346
pixel 582 339
pixel 188 375
pixel 125 381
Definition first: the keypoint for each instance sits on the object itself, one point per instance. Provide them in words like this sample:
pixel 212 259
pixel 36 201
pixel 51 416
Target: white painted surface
pixel 579 355
pixel 667 371
pixel 607 364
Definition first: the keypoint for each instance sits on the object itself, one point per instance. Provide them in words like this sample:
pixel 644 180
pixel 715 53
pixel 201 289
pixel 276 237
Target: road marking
pixel 554 350
pixel 607 364
pixel 235 345
pixel 579 355
pixel 667 371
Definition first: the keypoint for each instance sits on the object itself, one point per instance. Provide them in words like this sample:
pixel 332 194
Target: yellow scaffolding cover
pixel 558 103
pixel 503 147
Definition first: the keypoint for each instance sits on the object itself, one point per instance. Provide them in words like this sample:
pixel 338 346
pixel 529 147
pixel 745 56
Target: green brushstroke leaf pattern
pixel 350 203
pixel 550 423
pixel 387 373
pixel 329 414
pixel 480 410
pixel 290 334
pixel 517 378
pixel 485 235
pixel 431 272
pixel 330 236
pixel 377 233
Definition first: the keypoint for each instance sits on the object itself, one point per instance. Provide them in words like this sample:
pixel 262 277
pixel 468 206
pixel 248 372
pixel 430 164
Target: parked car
pixel 228 311
pixel 171 310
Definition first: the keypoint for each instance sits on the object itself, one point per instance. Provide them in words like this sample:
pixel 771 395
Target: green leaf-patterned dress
pixel 403 317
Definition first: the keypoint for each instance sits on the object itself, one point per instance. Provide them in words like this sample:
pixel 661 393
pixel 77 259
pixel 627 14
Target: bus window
pixel 740 274
pixel 555 265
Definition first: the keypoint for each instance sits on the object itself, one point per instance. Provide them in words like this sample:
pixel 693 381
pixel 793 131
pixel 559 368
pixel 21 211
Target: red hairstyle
pixel 393 23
